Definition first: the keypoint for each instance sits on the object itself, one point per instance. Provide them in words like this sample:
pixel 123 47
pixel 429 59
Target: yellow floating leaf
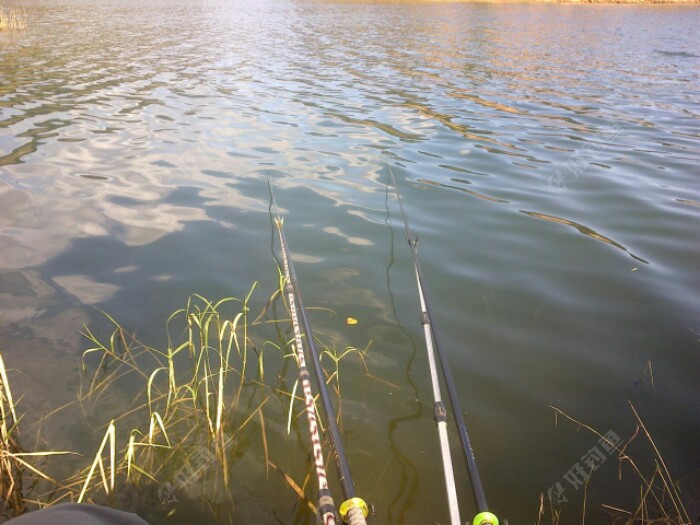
pixel 351 320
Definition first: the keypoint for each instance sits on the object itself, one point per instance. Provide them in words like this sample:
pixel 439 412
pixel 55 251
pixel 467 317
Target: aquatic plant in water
pixel 193 400
pixel 659 499
pixel 182 418
pixel 188 406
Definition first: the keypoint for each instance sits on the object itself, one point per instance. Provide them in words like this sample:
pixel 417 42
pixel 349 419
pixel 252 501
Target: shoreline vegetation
pixel 12 19
pixel 15 18
pixel 164 425
pixel 203 400
pixel 581 2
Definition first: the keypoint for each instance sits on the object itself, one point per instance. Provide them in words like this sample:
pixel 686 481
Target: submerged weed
pixel 659 500
pixel 174 418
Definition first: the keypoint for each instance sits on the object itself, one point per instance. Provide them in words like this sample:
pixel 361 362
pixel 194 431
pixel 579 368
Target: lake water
pixel 548 160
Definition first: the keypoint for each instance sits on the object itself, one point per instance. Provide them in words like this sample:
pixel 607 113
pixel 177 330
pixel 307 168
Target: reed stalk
pixel 191 403
pixel 12 18
pixel 659 502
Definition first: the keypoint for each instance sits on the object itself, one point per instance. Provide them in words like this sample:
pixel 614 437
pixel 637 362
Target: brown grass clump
pixel 10 468
pixel 12 19
pixel 659 501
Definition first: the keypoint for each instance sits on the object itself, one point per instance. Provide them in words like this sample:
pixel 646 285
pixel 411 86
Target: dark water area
pixel 548 160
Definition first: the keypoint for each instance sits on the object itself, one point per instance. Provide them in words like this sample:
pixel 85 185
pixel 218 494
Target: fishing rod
pixel 353 510
pixel 433 344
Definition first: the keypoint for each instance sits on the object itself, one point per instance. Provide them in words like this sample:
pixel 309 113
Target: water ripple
pixel 588 232
pixel 137 140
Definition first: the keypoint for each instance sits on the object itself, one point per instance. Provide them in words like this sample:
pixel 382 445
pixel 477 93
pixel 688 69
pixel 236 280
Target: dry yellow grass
pixel 12 19
pixel 660 500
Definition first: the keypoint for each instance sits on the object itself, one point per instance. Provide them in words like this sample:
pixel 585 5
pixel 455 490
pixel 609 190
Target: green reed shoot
pixel 187 400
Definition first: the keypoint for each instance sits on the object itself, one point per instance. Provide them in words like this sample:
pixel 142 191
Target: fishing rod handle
pixel 354 511
pixel 355 516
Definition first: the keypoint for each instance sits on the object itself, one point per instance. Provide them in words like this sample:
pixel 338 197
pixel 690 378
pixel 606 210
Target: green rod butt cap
pixel 485 518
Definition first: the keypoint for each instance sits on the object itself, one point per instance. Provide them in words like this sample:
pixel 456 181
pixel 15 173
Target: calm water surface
pixel 548 158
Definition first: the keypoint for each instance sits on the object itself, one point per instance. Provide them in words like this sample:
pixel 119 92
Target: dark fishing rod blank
pixel 353 510
pixel 433 340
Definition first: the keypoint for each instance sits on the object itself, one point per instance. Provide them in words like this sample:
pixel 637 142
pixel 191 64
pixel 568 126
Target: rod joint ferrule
pixel 440 413
pixel 325 503
pixel 424 318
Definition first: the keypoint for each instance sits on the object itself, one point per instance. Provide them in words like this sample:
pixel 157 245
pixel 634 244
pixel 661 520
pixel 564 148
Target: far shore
pixel 572 2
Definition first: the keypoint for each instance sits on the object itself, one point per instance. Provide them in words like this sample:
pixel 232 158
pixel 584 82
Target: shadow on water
pixel 408 485
pixel 588 232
